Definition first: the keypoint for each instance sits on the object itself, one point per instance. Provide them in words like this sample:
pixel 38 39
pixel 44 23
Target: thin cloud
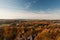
pixel 20 14
pixel 35 1
pixel 27 5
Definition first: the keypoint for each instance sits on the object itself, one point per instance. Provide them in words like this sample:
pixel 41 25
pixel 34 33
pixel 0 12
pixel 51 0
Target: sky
pixel 29 9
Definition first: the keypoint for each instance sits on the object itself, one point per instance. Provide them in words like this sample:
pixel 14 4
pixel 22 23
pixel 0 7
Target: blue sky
pixel 34 5
pixel 16 8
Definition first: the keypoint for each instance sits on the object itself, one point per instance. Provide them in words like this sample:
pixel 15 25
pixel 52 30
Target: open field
pixel 29 29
